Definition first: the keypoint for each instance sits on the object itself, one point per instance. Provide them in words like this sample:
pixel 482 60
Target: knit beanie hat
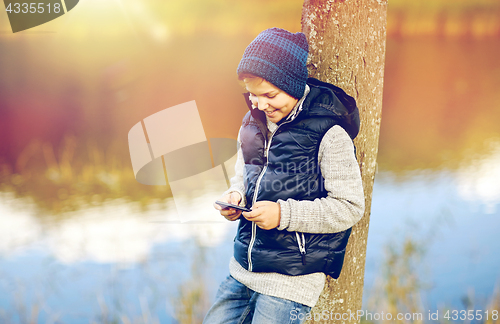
pixel 279 57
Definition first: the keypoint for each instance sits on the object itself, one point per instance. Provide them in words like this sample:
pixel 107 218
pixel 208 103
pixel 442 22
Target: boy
pixel 297 171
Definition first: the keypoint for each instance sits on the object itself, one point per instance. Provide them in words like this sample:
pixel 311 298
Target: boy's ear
pixel 241 82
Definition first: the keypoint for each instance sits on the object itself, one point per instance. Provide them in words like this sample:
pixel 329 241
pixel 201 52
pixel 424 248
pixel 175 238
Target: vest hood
pixel 324 100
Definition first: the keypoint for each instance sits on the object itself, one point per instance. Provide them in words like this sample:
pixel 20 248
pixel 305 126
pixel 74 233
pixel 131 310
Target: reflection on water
pixel 457 235
pixel 123 261
pixel 117 232
pixel 479 180
pixel 441 102
pixel 103 262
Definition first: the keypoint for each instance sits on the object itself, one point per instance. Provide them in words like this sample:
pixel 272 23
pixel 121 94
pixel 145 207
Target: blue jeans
pixel 236 304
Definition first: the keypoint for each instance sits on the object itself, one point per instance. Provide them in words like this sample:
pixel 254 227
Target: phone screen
pixel 225 205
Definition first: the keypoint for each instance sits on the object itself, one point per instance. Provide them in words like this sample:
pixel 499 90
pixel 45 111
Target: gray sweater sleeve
pixel 344 205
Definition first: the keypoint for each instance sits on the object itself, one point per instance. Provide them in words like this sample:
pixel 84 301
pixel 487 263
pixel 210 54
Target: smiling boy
pixel 297 171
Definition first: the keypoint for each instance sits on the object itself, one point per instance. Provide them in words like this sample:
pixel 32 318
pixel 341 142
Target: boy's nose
pixel 262 104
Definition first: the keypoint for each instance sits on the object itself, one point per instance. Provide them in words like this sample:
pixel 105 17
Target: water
pixel 457 236
pixel 111 261
pixel 105 262
pixel 439 162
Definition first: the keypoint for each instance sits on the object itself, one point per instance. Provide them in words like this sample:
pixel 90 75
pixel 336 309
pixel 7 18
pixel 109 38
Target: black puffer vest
pixel 285 167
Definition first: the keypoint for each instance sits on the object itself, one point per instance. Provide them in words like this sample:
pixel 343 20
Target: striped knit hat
pixel 279 57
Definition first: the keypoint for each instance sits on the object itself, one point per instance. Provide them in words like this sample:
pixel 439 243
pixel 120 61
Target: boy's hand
pixel 266 214
pixel 230 213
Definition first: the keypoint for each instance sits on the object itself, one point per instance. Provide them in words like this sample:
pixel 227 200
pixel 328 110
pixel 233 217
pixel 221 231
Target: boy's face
pixel 276 103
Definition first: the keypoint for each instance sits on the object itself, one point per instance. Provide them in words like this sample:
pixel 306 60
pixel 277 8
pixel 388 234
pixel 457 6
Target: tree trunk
pixel 347 48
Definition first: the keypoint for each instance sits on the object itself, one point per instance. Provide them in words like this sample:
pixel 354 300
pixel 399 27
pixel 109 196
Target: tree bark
pixel 347 48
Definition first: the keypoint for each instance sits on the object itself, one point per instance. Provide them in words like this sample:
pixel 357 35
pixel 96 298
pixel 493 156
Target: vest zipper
pixel 302 246
pixel 257 184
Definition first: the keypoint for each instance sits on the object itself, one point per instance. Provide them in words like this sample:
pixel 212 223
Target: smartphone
pixel 225 205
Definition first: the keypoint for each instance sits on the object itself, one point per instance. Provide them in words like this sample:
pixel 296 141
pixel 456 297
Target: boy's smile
pixel 274 102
